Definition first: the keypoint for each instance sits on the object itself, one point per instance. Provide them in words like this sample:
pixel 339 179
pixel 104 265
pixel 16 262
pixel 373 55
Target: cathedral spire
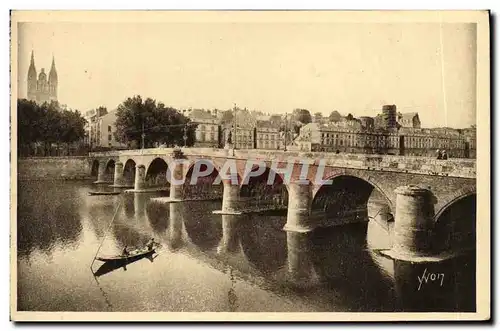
pixel 32 81
pixel 53 80
pixel 53 72
pixel 32 69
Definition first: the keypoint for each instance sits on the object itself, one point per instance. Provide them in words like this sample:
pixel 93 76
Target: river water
pixel 60 228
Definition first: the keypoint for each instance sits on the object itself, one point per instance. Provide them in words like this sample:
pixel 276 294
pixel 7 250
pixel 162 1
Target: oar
pixel 104 237
pixel 102 292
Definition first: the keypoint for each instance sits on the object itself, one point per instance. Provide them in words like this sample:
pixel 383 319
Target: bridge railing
pixel 412 164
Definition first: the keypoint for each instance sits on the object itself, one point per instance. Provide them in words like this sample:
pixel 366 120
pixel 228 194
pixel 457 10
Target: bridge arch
pixel 208 186
pixel 94 168
pixel 458 195
pixel 110 165
pixel 109 169
pixel 259 191
pixel 157 159
pixel 352 197
pixel 129 171
pixel 455 224
pixel 156 173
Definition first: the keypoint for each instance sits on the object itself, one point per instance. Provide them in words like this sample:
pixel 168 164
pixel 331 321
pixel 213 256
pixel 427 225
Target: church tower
pixel 32 81
pixel 53 81
pixel 42 88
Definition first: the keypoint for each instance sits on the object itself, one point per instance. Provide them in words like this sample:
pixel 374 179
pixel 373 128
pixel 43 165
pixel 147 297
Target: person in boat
pixel 444 155
pixel 439 156
pixel 151 244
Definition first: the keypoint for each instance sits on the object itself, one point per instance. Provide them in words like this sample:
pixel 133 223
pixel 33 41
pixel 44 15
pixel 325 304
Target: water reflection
pixel 158 217
pixel 436 287
pixel 345 265
pixel 140 200
pixel 232 298
pixel 176 230
pixel 230 242
pixel 110 266
pixel 203 228
pixel 264 242
pixel 331 269
pixel 128 206
pixel 46 225
pixel 301 270
pixel 127 236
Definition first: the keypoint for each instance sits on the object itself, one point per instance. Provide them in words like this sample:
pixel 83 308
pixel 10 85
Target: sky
pixel 272 67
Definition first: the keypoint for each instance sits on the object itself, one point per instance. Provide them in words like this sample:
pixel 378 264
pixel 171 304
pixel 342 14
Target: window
pixel 109 128
pixel 109 138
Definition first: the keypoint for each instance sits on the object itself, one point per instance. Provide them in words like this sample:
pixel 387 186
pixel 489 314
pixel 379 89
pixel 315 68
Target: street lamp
pixel 185 136
pixel 143 135
pixel 286 128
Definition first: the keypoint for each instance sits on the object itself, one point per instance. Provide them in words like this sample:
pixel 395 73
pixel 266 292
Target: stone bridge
pixel 427 198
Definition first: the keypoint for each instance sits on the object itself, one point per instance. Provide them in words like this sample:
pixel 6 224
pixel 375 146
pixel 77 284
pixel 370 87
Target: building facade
pixel 100 129
pixel 409 120
pixel 267 136
pixel 404 141
pixel 387 133
pixel 207 129
pixel 42 88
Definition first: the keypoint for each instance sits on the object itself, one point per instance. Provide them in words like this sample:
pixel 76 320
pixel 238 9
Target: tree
pixel 159 124
pixel 28 125
pixel 227 117
pixel 301 115
pixel 47 124
pixel 335 116
pixel 349 117
pixel 72 127
pixel 318 117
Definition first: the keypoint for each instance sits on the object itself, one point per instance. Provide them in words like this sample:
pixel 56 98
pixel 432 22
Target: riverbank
pixel 51 168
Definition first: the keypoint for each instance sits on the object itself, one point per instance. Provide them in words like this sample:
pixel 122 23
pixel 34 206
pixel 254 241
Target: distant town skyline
pixel 271 67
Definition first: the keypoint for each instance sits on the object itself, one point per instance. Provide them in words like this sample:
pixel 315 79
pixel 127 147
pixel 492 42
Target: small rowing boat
pixel 104 193
pixel 136 253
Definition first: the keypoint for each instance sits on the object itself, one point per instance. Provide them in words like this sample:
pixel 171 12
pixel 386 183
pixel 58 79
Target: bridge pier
pixel 230 198
pixel 118 179
pixel 140 175
pixel 177 174
pixel 101 173
pixel 299 205
pixel 230 241
pixel 413 224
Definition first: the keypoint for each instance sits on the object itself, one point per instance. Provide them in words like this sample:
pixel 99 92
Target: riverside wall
pixel 51 168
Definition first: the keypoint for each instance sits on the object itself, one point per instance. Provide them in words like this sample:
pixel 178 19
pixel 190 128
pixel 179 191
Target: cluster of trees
pixel 150 122
pixel 41 127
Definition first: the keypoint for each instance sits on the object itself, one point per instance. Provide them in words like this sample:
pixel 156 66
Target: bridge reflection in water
pixel 338 268
pixel 327 265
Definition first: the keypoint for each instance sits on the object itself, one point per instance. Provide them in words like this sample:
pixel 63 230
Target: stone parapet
pixel 465 168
